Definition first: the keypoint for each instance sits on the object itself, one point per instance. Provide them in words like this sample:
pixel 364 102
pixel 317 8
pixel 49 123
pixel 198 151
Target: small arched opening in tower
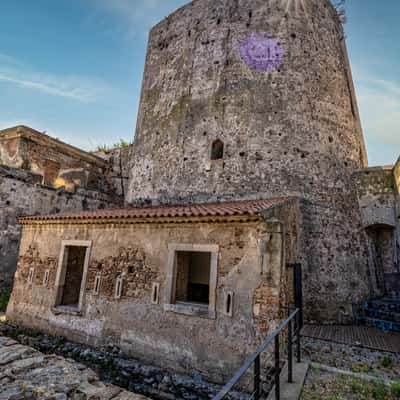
pixel 217 150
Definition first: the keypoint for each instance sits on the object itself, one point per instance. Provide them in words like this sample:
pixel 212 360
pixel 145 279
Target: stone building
pixel 58 163
pixel 162 284
pixel 248 157
pixel 42 175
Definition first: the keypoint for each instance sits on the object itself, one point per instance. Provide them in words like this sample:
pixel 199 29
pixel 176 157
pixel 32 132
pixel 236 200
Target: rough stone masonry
pixel 249 148
pixel 272 83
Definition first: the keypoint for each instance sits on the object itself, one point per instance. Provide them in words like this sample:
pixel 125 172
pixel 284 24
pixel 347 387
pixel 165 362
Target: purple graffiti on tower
pixel 262 53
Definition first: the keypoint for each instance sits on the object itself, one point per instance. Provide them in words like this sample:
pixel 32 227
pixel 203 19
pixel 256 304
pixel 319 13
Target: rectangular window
pixel 71 275
pixel 193 277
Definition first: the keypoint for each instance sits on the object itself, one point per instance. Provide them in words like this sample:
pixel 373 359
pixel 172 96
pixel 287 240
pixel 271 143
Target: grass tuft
pixel 4 299
pixel 396 389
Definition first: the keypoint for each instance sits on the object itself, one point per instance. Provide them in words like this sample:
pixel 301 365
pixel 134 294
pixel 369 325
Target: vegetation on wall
pixel 105 148
pixel 4 298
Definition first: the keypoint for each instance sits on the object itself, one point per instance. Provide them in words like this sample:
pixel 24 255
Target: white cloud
pixel 49 88
pixel 78 88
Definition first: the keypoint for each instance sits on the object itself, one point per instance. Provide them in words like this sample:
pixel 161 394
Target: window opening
pixel 193 277
pixel 118 287
pixel 97 283
pixel 217 150
pixel 155 293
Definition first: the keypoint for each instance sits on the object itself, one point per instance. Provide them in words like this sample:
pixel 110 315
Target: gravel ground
pixel 321 385
pixel 353 358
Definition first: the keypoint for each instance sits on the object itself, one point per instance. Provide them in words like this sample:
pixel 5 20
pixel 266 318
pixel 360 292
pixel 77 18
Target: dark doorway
pixel 75 261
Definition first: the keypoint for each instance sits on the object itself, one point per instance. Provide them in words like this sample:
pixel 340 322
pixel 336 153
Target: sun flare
pixel 293 5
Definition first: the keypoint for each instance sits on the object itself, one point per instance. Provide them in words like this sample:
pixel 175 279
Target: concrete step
pixel 291 391
pixel 386 305
pixel 383 315
pixel 383 325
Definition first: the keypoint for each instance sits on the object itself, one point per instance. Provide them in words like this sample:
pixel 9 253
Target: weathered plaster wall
pixel 21 193
pixel 251 264
pixel 289 127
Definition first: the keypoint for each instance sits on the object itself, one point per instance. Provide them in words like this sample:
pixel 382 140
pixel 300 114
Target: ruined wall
pixel 117 172
pixel 377 193
pixel 271 80
pixel 59 164
pixel 375 189
pixel 251 264
pixel 21 193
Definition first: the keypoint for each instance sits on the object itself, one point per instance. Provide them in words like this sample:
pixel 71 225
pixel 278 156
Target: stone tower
pixel 254 98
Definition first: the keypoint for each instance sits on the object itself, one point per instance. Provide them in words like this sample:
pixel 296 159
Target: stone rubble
pixel 27 374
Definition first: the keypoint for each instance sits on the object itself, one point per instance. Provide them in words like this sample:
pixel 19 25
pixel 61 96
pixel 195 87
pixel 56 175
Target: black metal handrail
pixel 255 359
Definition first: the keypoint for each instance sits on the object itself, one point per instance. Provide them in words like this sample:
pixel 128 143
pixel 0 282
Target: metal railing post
pixel 277 369
pixel 290 353
pixel 257 379
pixel 294 326
pixel 298 338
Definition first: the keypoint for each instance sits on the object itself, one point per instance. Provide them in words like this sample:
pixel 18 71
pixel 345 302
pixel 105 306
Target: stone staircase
pixel 383 313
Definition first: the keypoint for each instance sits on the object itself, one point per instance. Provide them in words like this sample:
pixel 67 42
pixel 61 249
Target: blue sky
pixel 74 68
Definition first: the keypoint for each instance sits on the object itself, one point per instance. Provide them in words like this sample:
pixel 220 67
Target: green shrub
pixel 386 362
pixel 356 385
pixel 103 148
pixel 380 391
pixel 396 388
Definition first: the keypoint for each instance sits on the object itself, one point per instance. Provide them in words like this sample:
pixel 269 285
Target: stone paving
pixel 27 374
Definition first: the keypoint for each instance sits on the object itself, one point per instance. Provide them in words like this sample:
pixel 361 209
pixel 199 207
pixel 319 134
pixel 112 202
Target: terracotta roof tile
pixel 245 207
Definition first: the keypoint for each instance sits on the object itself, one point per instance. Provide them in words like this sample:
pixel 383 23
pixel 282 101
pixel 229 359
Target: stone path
pixel 27 374
pixel 371 338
